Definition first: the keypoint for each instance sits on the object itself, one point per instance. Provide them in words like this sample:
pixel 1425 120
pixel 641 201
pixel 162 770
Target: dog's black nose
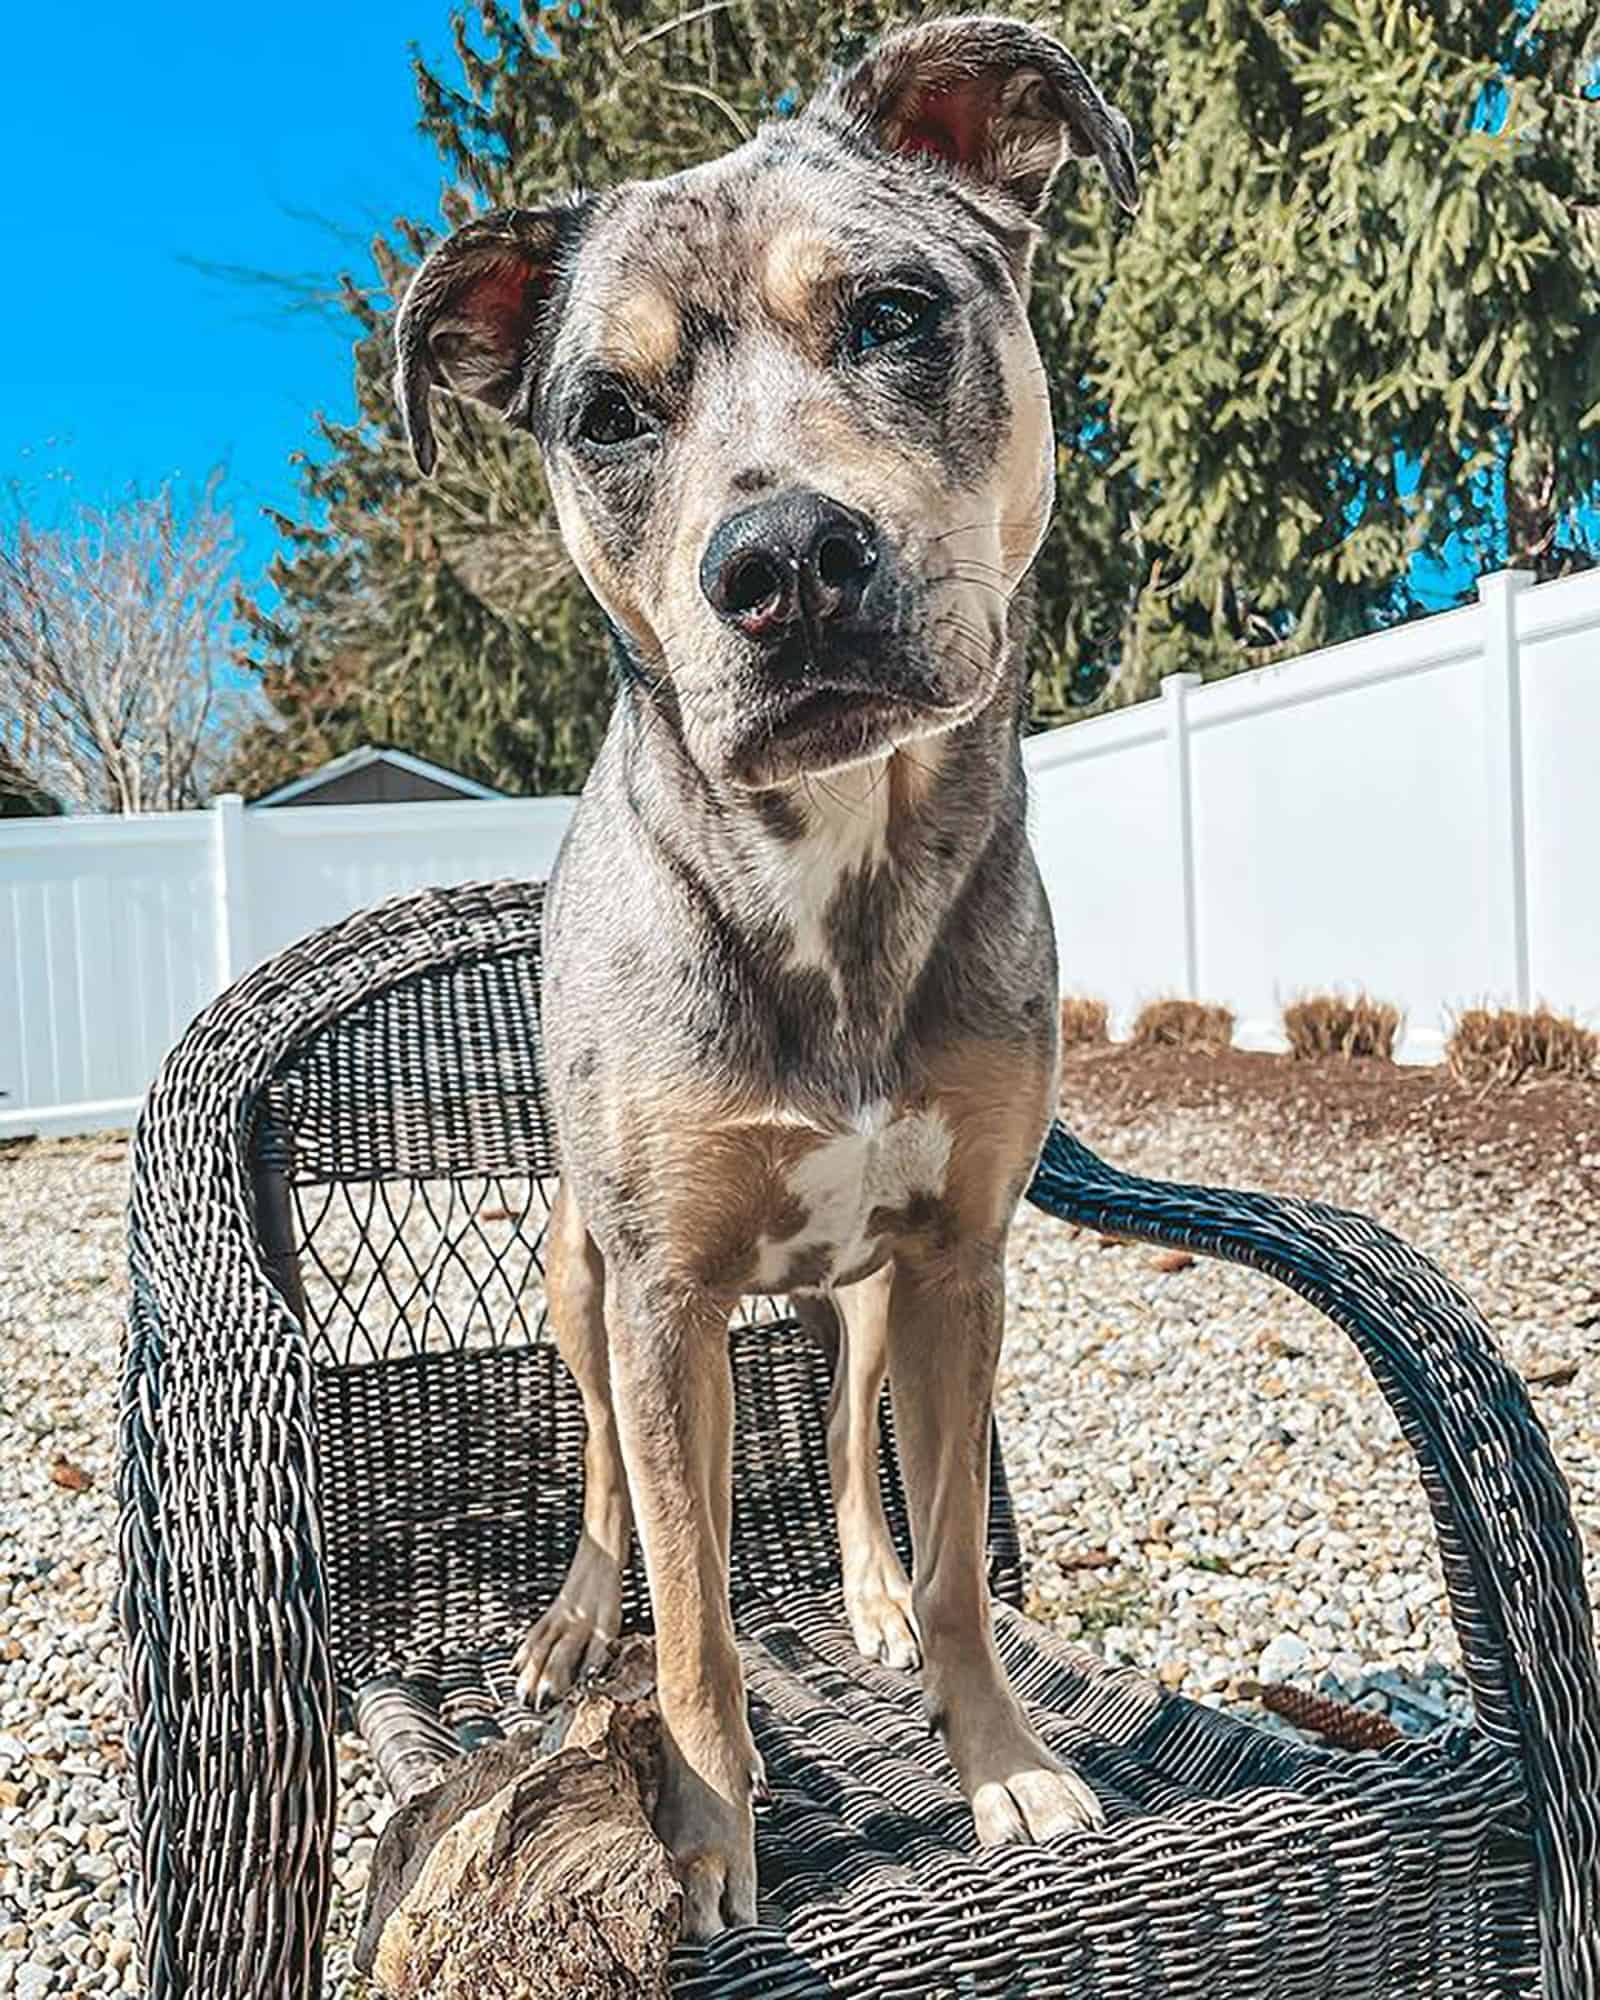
pixel 799 556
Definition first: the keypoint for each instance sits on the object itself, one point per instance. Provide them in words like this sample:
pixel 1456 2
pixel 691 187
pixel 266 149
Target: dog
pixel 800 1004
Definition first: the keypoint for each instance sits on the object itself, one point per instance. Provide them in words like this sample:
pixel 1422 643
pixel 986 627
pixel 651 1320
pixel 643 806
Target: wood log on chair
pixel 530 1871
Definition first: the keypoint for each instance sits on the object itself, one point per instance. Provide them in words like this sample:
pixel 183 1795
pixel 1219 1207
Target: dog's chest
pixel 802 877
pixel 842 1198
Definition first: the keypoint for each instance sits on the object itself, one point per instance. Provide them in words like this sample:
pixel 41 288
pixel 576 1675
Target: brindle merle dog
pixel 800 1002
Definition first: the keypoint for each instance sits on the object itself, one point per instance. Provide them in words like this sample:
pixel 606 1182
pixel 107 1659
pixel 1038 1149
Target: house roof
pixel 371 753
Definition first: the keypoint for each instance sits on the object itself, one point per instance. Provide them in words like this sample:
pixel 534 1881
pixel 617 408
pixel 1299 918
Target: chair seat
pixel 1263 1865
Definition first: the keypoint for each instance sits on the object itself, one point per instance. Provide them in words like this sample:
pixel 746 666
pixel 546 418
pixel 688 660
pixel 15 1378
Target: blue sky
pixel 167 132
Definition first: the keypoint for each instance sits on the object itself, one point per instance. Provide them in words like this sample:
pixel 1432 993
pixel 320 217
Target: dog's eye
pixel 609 418
pixel 885 317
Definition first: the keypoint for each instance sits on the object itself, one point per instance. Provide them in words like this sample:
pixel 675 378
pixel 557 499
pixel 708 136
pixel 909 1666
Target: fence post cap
pixel 1172 684
pixel 1498 580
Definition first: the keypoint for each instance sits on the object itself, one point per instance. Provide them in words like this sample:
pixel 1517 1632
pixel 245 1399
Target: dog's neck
pixel 854 877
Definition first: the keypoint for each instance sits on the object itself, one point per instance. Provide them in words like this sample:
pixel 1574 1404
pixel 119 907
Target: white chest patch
pixel 883 1163
pixel 849 830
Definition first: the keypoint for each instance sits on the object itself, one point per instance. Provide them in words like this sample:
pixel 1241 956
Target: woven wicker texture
pixel 350 1476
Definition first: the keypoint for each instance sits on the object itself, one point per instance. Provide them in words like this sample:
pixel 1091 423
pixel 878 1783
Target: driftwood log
pixel 530 1870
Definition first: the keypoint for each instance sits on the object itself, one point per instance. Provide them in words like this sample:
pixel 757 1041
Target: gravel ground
pixel 1202 1466
pixel 1208 1482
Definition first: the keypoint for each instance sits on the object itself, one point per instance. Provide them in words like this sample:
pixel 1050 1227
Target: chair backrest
pixel 403 1163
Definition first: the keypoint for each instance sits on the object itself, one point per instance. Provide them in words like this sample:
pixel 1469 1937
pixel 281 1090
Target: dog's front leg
pixel 877 1595
pixel 945 1320
pixel 851 1326
pixel 575 1634
pixel 674 1398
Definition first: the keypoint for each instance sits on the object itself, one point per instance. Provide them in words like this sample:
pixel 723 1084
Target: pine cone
pixel 1337 1722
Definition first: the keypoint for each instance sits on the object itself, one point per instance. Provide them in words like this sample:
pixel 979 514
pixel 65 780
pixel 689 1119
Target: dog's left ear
pixel 471 314
pixel 998 100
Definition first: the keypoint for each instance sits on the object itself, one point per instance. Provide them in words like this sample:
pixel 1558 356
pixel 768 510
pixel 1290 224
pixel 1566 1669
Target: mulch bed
pixel 1541 1123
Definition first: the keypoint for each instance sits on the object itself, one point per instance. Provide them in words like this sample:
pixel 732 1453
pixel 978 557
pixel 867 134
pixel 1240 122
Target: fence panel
pixel 1416 813
pixel 106 951
pixel 1096 813
pixel 309 865
pixel 1560 639
pixel 1339 841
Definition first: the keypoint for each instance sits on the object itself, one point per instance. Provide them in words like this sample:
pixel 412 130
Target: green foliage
pixel 1350 324
pixel 1347 326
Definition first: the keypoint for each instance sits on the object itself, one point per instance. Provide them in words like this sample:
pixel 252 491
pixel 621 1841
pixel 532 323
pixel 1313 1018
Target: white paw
pixel 882 1623
pixel 1034 1804
pixel 575 1636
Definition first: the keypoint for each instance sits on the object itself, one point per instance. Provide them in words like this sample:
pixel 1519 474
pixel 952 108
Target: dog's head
pixel 792 415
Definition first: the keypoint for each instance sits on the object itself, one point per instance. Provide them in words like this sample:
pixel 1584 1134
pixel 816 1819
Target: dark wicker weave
pixel 350 1470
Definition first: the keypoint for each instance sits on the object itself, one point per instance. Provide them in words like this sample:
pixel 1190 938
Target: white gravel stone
pixel 1285 1658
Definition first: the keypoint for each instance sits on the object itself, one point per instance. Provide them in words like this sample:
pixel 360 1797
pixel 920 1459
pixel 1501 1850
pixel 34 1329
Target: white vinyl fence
pixel 1416 814
pixel 114 932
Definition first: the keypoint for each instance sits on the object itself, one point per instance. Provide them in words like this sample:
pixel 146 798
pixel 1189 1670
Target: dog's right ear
pixel 471 313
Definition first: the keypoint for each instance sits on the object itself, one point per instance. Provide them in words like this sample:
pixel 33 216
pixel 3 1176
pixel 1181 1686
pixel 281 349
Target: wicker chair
pixel 350 1466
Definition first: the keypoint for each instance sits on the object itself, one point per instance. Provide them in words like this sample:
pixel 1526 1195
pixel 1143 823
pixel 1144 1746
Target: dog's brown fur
pixel 801 1012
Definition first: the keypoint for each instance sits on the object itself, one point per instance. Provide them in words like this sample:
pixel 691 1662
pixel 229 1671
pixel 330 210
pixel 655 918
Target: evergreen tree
pixel 20 795
pixel 1351 325
pixel 1355 323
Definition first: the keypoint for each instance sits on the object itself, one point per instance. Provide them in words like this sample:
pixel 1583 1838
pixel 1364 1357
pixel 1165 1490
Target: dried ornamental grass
pixel 1085 1023
pixel 1329 1024
pixel 1499 1045
pixel 1182 1024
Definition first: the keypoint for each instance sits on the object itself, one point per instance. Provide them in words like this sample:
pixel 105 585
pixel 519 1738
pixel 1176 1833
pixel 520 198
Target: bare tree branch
pixel 678 21
pixel 114 631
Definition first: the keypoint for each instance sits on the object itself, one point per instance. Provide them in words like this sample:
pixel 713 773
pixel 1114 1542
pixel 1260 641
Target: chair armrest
pixel 1510 1549
pixel 229 1682
pixel 224 1609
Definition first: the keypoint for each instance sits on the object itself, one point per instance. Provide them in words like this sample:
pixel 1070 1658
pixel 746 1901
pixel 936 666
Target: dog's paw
pixel 719 1891
pixel 575 1636
pixel 1018 1790
pixel 882 1623
pixel 712 1840
pixel 1034 1804
pixel 565 1647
